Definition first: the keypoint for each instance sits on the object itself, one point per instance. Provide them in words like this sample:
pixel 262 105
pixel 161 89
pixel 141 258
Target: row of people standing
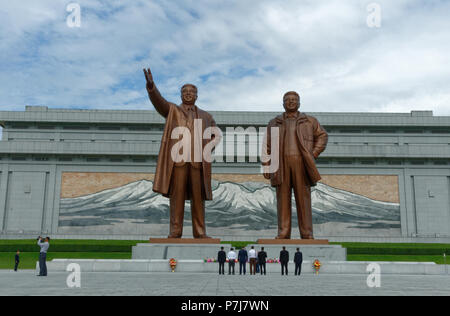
pixel 256 260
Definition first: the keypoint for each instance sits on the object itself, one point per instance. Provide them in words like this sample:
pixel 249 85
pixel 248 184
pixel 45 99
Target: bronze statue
pixel 301 140
pixel 188 179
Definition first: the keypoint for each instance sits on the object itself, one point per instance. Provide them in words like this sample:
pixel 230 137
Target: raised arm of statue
pixel 161 105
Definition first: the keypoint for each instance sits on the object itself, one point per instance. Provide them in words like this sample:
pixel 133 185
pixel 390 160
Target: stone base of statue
pixel 184 241
pixel 200 249
pixel 179 248
pixel 293 241
pixel 311 248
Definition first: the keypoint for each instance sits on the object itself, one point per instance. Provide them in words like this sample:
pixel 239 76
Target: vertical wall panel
pixel 432 205
pixel 25 202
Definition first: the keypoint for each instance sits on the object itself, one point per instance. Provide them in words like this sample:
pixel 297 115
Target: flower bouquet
pixel 173 264
pixel 317 265
pixel 210 260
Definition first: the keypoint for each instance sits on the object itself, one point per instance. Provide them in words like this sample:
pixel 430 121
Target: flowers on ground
pixel 172 264
pixel 317 265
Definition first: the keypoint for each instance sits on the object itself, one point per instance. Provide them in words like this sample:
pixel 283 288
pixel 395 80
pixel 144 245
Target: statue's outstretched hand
pixel 161 105
pixel 149 78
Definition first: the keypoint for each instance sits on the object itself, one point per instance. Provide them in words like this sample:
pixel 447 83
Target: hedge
pixel 88 248
pixel 67 248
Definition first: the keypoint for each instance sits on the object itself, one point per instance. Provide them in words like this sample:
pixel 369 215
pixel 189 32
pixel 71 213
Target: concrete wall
pixel 40 144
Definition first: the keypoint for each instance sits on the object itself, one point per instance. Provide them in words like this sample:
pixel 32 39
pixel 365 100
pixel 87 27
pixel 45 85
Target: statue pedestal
pixel 311 249
pixel 200 249
pixel 179 249
pixel 184 241
pixel 293 241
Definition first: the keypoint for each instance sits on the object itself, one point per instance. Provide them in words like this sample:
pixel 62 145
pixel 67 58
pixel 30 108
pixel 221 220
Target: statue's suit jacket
pixel 312 140
pixel 176 118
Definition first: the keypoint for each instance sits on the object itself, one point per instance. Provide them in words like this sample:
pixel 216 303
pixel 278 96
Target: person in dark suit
pixel 262 255
pixel 17 260
pixel 284 259
pixel 221 258
pixel 242 257
pixel 298 259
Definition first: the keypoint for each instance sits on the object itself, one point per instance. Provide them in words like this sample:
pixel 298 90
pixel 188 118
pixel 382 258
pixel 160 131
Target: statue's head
pixel 189 94
pixel 291 101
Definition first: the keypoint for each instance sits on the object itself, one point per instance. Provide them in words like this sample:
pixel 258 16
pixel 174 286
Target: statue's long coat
pixel 175 117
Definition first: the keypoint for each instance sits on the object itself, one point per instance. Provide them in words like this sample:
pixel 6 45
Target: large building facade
pixel 89 173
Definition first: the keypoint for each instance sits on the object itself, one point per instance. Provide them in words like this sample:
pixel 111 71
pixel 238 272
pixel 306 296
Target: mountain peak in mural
pixel 249 206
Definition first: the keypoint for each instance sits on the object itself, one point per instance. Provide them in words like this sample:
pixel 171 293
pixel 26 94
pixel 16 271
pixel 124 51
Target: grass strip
pixel 28 259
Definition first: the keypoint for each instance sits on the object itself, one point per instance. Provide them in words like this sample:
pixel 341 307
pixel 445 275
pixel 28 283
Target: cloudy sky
pixel 242 54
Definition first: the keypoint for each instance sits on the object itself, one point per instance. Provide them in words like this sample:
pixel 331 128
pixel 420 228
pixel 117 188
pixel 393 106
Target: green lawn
pixel 389 245
pixel 72 242
pixel 66 245
pixel 89 242
pixel 28 259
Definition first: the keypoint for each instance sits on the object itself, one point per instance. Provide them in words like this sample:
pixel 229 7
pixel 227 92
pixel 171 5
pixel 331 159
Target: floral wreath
pixel 172 264
pixel 317 265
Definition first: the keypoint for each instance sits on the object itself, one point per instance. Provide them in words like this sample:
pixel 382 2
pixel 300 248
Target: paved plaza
pixel 208 284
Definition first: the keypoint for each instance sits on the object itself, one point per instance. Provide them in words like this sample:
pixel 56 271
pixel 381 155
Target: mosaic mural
pixel 242 205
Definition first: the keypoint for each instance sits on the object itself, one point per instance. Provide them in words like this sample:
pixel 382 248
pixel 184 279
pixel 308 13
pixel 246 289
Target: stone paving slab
pixel 208 284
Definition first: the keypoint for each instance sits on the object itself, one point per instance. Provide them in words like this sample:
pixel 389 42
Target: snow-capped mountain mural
pixel 238 209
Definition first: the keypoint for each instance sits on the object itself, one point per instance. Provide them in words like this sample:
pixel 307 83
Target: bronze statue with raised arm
pixel 188 179
pixel 301 140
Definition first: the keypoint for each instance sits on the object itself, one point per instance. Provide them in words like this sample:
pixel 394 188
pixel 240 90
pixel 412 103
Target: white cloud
pixel 243 55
